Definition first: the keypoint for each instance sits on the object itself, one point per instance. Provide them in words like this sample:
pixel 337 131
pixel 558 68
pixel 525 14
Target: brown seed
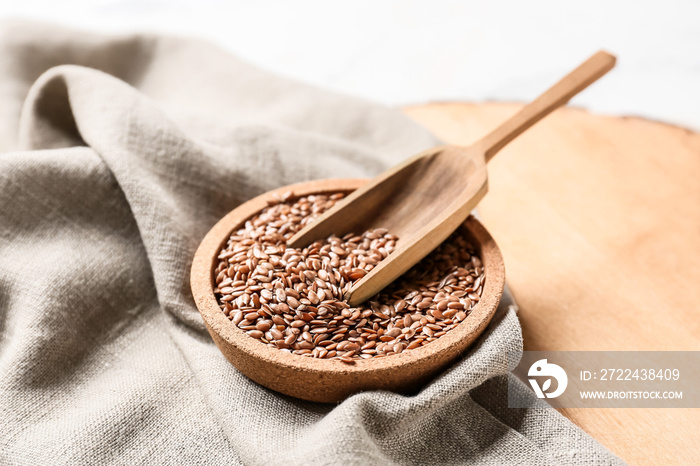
pixel 338 250
pixel 263 325
pixel 313 297
pixel 256 334
pixel 352 346
pixel 450 313
pixel 282 308
pixel 277 320
pixel 381 315
pixel 292 299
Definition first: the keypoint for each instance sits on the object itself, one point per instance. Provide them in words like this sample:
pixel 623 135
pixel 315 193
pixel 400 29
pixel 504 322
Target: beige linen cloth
pixel 118 154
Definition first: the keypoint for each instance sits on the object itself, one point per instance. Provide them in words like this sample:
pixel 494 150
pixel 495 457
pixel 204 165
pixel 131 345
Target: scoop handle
pixel 554 97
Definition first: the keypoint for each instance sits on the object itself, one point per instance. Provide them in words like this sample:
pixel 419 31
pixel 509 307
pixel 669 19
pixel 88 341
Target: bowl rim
pixel 202 282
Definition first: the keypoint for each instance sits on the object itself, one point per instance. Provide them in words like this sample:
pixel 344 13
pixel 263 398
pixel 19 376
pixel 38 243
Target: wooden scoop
pixel 424 199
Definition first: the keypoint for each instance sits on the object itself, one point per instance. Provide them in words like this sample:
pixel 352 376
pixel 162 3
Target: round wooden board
pixel 598 219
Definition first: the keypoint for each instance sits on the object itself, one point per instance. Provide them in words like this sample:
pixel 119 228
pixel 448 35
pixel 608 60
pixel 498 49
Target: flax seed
pixel 292 299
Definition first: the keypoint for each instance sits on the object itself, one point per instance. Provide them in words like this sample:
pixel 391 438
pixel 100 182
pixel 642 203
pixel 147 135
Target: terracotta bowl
pixel 328 380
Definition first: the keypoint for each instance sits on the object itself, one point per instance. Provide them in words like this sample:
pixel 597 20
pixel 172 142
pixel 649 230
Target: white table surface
pixel 411 51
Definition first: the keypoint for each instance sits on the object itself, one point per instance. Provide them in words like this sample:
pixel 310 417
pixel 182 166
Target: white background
pixel 410 51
